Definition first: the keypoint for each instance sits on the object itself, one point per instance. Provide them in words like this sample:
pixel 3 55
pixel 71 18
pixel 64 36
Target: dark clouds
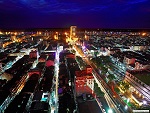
pixel 83 13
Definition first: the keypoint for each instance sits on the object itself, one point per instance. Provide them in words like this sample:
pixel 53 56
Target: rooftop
pixel 143 76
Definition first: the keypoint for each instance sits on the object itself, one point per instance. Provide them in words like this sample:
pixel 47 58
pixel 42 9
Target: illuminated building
pixel 33 54
pixel 73 38
pixel 42 58
pixel 34 71
pixel 129 60
pixel 13 38
pixel 73 31
pixel 84 81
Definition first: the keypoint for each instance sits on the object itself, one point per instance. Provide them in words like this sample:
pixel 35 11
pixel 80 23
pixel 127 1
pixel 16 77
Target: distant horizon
pixel 68 28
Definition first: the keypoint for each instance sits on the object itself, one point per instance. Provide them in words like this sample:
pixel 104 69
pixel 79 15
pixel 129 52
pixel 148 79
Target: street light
pixel 110 111
pixel 126 107
pixel 66 33
pixel 144 102
pixel 128 100
pixel 143 34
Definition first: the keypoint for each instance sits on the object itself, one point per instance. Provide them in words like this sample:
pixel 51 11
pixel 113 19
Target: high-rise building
pixel 73 31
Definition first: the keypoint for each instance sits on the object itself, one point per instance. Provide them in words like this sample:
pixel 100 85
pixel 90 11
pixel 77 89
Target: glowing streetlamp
pixel 143 34
pixel 40 33
pixel 15 33
pixel 126 107
pixel 1 32
pixel 128 100
pixel 144 102
pixel 110 111
pixel 66 33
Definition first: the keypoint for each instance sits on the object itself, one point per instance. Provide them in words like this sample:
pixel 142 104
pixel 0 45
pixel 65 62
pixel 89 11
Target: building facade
pixel 84 82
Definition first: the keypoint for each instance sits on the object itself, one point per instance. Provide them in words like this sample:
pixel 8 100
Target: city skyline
pixel 68 71
pixel 115 14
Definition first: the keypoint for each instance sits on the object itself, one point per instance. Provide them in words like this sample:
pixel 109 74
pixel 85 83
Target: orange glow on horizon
pixel 143 34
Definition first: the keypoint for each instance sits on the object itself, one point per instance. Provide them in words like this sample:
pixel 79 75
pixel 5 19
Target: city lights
pixel 143 34
pixel 106 70
pixel 110 111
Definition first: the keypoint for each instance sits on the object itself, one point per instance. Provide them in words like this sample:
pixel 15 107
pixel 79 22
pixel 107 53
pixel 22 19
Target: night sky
pixel 82 13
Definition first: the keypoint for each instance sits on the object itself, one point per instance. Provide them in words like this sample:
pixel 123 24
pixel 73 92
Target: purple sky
pixel 83 13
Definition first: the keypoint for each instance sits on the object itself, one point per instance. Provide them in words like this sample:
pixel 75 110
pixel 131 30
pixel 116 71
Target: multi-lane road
pixel 116 104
